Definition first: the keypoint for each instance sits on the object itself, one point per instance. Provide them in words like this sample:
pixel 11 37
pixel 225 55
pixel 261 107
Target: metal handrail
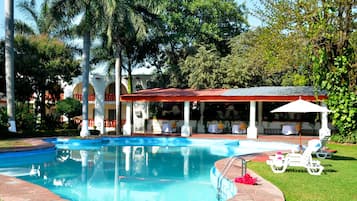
pixel 225 170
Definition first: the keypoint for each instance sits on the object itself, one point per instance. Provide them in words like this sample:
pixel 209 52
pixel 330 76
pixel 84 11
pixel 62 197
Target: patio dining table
pixel 289 129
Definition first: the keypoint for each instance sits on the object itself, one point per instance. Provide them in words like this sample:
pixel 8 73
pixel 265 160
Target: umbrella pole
pixel 300 141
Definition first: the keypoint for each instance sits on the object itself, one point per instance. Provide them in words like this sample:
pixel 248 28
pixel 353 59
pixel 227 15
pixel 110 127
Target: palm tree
pixel 126 20
pixel 9 63
pixel 88 12
pixel 44 23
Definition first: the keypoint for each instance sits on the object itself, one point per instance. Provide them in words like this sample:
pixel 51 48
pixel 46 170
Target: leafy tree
pixel 189 24
pixel 126 25
pixel 89 15
pixel 245 68
pixel 41 64
pixel 43 20
pixel 25 117
pixel 25 55
pixel 69 107
pixel 2 70
pixel 203 69
pixel 3 118
pixel 268 59
pixel 255 60
pixel 328 27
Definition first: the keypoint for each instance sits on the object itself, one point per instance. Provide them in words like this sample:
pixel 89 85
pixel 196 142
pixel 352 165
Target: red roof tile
pixel 216 95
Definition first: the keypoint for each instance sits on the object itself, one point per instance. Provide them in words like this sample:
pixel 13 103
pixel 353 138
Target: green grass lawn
pixel 338 182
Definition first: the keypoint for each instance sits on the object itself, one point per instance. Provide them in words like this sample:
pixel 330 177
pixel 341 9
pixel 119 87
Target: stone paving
pixel 12 189
pixel 262 191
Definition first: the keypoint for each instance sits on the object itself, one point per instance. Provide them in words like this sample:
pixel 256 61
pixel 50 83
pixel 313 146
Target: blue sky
pixel 254 22
pixel 17 15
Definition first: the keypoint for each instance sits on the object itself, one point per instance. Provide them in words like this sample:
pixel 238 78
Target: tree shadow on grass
pixel 296 170
pixel 304 171
pixel 344 158
pixel 327 169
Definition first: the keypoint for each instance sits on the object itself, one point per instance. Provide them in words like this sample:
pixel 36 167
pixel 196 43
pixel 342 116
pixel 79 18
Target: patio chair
pixel 322 153
pixel 279 163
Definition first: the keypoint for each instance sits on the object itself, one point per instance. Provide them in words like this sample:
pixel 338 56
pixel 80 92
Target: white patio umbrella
pixel 300 106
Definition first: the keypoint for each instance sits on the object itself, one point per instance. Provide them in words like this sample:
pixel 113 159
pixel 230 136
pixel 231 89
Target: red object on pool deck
pixel 246 179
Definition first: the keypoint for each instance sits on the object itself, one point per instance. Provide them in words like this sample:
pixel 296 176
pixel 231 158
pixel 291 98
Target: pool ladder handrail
pixel 225 170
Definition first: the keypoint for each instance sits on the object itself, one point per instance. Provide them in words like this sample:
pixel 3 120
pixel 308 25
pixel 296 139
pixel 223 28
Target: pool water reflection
pixel 122 169
pixel 129 173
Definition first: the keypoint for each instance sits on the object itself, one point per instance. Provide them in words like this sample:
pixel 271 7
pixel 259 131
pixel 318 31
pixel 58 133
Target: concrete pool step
pixel 264 190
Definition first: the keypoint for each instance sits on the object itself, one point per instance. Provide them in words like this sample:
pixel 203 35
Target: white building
pixel 101 97
pixel 250 104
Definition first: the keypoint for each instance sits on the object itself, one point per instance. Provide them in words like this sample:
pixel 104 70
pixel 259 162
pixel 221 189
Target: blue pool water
pixel 129 168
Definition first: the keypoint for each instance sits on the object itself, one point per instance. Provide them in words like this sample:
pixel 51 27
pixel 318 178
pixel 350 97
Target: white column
pixel 84 132
pixel 84 157
pixel 252 130
pixel 185 152
pixel 84 174
pixel 12 126
pixel 116 175
pixel 324 130
pixel 99 88
pixel 185 129
pixel 201 126
pixel 260 117
pixel 127 125
pixel 127 151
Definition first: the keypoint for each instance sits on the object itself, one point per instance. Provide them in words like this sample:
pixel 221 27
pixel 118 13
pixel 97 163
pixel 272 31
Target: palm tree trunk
pixel 85 83
pixel 130 77
pixel 9 63
pixel 43 106
pixel 118 91
pixel 130 91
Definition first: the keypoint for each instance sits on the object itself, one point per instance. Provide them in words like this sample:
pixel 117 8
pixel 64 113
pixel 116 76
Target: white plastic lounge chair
pixel 279 163
pixel 322 153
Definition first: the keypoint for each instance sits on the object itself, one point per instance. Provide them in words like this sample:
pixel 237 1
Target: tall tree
pixel 190 24
pixel 88 12
pixel 50 62
pixel 41 64
pixel 328 27
pixel 43 21
pixel 9 63
pixel 203 70
pixel 268 58
pixel 126 21
pixel 39 23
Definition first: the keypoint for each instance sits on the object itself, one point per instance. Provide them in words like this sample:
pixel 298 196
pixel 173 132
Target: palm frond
pixel 22 28
pixel 29 8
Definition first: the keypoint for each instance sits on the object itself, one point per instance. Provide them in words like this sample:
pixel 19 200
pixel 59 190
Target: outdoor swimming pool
pixel 129 168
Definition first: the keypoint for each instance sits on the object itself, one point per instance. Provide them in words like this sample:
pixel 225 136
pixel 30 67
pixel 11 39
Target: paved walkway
pixel 262 191
pixel 12 189
pixel 34 143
